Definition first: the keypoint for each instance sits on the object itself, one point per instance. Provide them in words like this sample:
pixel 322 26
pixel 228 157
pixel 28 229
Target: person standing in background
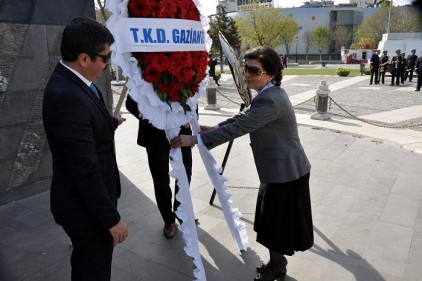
pixel 157 146
pixel 374 65
pixel 80 133
pixel 211 64
pixel 284 61
pixel 384 61
pixel 418 69
pixel 395 68
pixel 411 63
pixel 403 68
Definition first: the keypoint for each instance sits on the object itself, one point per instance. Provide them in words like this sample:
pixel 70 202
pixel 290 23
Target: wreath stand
pixel 226 157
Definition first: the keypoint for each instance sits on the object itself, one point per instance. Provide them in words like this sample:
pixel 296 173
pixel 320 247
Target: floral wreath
pixel 175 76
pixel 168 107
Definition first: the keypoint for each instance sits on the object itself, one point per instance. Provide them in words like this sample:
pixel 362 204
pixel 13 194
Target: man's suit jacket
pixel 419 66
pixel 80 133
pixel 375 61
pixel 148 135
pixel 271 124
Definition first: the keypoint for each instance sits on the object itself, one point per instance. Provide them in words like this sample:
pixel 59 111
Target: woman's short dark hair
pixel 270 61
pixel 84 35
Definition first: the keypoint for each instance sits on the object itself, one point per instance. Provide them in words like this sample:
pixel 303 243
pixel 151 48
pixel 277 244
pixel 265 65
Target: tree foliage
pixel 307 39
pixel 402 20
pixel 342 37
pixel 289 30
pixel 365 43
pixel 261 27
pixel 321 39
pixel 227 26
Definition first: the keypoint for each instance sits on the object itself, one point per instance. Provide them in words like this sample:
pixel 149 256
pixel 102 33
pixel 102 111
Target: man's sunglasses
pixel 254 70
pixel 105 58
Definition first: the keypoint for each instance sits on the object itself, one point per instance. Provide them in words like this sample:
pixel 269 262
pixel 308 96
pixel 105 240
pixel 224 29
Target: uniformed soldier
pixel 374 65
pixel 403 68
pixel 395 67
pixel 411 62
pixel 384 62
pixel 418 70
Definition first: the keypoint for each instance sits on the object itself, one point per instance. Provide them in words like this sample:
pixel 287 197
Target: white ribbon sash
pixel 158 35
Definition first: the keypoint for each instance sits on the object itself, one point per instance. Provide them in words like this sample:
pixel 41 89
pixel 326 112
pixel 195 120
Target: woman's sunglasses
pixel 254 70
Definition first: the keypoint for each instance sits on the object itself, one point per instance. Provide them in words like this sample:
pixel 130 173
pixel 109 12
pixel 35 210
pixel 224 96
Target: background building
pixel 309 16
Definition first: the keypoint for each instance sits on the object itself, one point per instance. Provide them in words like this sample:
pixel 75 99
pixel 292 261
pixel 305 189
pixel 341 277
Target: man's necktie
pixel 94 90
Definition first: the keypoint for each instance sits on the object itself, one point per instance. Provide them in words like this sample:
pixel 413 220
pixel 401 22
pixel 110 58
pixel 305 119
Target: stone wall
pixel 30 35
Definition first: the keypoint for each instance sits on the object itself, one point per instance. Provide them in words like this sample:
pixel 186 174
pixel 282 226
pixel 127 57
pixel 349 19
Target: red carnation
pixel 174 75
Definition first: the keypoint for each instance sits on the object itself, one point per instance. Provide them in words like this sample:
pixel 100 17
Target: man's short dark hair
pixel 84 35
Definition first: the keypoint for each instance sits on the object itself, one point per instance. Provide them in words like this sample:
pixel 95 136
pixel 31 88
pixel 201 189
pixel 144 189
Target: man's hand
pixel 119 232
pixel 120 120
pixel 180 141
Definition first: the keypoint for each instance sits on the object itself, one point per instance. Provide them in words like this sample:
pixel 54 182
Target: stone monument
pixel 30 35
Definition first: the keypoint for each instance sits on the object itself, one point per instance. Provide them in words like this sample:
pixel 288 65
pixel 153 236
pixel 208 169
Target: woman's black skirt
pixel 283 216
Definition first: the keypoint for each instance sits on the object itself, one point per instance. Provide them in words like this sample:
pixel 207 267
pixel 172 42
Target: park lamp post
pixel 389 18
pixel 219 26
pixel 297 39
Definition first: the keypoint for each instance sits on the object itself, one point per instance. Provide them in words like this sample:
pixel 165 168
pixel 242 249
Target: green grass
pixel 317 71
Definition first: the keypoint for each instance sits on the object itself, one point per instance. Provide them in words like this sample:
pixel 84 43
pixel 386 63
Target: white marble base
pixel 211 107
pixel 321 116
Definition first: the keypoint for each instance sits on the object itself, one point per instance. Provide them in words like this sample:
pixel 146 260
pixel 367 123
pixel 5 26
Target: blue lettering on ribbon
pixel 147 35
pixel 182 36
pixel 188 36
pixel 161 35
pixel 195 37
pixel 134 33
pixel 176 36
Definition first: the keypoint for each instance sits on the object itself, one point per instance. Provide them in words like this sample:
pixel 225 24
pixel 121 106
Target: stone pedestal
pixel 321 102
pixel 211 95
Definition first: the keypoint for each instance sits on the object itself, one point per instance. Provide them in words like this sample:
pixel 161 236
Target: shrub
pixel 217 76
pixel 367 71
pixel 343 72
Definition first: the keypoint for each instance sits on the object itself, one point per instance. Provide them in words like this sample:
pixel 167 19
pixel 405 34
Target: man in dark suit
pixel 395 68
pixel 418 70
pixel 158 149
pixel 384 61
pixel 403 68
pixel 211 64
pixel 80 133
pixel 374 65
pixel 411 63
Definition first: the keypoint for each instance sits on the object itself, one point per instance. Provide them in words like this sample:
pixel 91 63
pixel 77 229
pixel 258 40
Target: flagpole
pixel 389 17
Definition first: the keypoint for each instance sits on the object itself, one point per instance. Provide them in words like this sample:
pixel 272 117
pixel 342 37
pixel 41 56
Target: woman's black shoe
pixel 282 273
pixel 262 267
